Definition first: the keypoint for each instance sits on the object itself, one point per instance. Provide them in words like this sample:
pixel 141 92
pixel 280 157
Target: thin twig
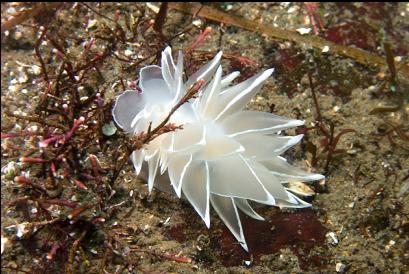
pixel 161 18
pixel 73 249
pixel 38 54
pixel 330 148
pixel 391 63
pixel 189 94
pixel 314 96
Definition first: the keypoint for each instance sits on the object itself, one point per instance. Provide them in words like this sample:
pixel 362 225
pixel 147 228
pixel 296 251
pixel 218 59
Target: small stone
pixel 340 267
pixel 325 49
pixel 146 229
pixel 371 88
pixel 229 7
pixel 23 78
pixel 292 9
pixel 128 52
pixel 10 170
pixel 109 129
pixel 18 35
pixel 32 128
pixel 14 88
pixel 398 58
pixel 389 245
pixel 198 23
pixel 12 11
pixel 36 70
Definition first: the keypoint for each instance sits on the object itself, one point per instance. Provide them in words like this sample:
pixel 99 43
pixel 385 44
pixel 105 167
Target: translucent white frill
pixel 224 155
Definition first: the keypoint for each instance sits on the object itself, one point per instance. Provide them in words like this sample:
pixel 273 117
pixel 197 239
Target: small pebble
pixel 14 88
pixel 340 267
pixel 389 245
pixel 197 23
pixel 36 70
pixel 128 52
pixel 292 9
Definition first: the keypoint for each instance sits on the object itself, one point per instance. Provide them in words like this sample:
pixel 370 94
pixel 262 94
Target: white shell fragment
pixel 325 49
pixel 331 235
pixel 303 31
pixel 340 267
pixel 224 155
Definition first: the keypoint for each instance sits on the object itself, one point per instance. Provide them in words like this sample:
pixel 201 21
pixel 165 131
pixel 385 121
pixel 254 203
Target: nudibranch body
pixel 224 155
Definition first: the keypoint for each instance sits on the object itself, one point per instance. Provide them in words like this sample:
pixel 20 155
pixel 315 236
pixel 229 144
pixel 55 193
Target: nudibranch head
pixel 224 155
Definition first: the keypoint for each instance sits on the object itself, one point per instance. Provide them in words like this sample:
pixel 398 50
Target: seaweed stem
pixel 161 18
pixel 314 96
pixel 73 249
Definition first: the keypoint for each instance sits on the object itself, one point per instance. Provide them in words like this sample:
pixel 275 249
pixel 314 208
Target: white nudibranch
pixel 224 155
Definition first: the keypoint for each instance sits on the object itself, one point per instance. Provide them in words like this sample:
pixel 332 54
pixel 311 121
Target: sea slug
pixel 224 155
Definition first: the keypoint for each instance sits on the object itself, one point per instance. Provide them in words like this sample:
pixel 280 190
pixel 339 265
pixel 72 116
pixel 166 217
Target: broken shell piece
pixel 340 267
pixel 333 237
pixel 300 188
pixel 303 31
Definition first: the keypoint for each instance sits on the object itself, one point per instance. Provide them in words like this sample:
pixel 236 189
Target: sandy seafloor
pixel 359 221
